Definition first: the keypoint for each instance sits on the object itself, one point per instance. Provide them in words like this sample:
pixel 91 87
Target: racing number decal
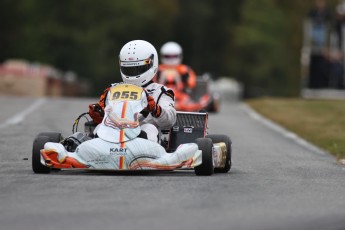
pixel 125 92
pixel 125 95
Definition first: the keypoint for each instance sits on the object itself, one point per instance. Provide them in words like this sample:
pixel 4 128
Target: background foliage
pixel 258 42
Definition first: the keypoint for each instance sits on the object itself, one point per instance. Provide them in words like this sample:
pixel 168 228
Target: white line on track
pixel 300 141
pixel 19 117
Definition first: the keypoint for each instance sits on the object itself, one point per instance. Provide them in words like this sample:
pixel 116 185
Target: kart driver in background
pixel 138 61
pixel 171 58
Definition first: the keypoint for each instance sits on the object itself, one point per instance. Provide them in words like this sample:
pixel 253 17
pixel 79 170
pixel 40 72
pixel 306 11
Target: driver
pixel 171 58
pixel 138 61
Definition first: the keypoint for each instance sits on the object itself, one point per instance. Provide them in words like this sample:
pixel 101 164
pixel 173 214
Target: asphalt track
pixel 275 183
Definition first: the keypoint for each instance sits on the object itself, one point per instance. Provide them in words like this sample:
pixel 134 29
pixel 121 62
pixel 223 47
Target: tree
pixel 261 55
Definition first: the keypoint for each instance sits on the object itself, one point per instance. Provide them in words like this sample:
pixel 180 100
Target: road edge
pixel 281 130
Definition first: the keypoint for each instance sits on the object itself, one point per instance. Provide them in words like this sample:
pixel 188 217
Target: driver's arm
pixel 96 111
pixel 167 117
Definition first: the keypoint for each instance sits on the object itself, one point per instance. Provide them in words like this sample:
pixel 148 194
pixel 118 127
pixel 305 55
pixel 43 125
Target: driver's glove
pixel 96 112
pixel 153 107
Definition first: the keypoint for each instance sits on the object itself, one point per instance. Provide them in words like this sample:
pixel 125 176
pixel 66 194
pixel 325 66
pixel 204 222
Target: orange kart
pixel 197 99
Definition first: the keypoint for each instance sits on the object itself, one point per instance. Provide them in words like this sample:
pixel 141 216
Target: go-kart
pixel 198 99
pixel 116 144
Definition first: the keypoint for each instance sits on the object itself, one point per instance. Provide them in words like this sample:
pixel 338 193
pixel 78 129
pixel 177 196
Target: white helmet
pixel 171 53
pixel 138 62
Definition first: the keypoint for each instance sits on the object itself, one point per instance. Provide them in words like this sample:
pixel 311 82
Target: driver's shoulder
pixel 155 88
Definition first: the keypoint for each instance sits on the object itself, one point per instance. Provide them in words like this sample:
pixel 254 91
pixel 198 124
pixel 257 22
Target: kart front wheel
pixel 206 168
pixel 53 137
pixel 37 166
pixel 225 139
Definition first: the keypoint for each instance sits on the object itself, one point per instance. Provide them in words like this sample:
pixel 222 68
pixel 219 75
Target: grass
pixel 321 122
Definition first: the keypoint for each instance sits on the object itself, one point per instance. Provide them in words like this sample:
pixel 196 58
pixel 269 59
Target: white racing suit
pixel 163 97
pixel 151 125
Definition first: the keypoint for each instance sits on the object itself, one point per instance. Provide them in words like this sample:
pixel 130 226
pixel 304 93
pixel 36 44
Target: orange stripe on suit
pixel 122 132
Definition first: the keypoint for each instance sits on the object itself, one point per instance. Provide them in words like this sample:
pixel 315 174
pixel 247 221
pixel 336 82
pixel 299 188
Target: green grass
pixel 321 122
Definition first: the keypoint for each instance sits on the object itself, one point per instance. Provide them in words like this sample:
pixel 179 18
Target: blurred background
pixel 271 47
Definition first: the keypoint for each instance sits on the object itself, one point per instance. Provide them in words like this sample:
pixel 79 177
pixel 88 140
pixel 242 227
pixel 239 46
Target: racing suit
pixel 150 123
pixel 188 76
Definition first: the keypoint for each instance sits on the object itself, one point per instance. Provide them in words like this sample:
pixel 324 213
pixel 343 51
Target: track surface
pixel 274 183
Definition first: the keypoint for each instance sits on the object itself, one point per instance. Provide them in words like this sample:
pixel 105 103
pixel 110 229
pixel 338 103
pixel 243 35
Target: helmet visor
pixel 135 68
pixel 171 56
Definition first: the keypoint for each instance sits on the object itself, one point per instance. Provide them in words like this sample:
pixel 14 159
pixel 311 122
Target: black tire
pixel 215 106
pixel 212 107
pixel 53 136
pixel 37 166
pixel 227 141
pixel 206 168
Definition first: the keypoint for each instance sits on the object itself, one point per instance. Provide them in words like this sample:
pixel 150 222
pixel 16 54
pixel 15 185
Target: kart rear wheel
pixel 37 166
pixel 53 136
pixel 206 168
pixel 216 105
pixel 227 141
pixel 213 106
